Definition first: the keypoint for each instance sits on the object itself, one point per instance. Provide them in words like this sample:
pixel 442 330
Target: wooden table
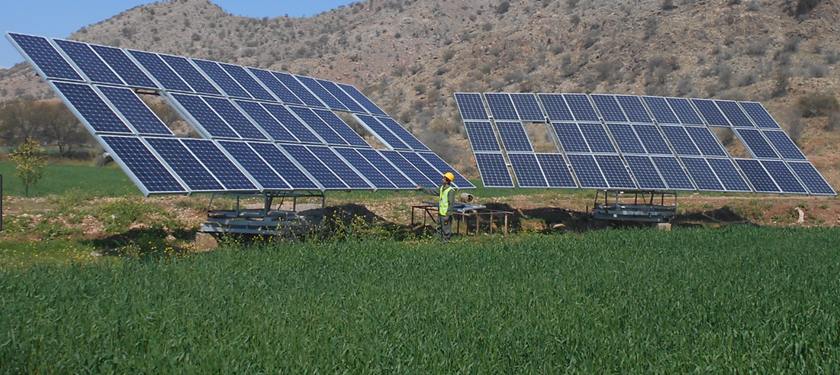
pixel 478 213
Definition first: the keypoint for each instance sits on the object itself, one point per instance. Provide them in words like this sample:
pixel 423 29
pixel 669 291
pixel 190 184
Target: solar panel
pixel 184 164
pixel 527 170
pixel 381 132
pixel 644 172
pixel 493 170
pixel 142 166
pixel 501 106
pixel 660 109
pixel 609 108
pixel 342 97
pixel 291 123
pixel 314 167
pixel 299 90
pixel 442 166
pixel 278 88
pixel 652 139
pixel 756 143
pixel 672 172
pixel 513 136
pixel 728 174
pixel 340 168
pixel 626 138
pixel 321 93
pixel 812 179
pixel 680 140
pixel 597 138
pixel 364 167
pixel 404 135
pixel 734 113
pixel 219 165
pixel 393 174
pixel 710 112
pixel 89 62
pixel 783 144
pixel 360 98
pixel 255 166
pixel 160 71
pixel 241 76
pixel 705 141
pixel 615 172
pixel 234 118
pixel 702 174
pixel 784 178
pixel 581 107
pixel 587 172
pixel 471 106
pixel 213 70
pixel 121 64
pixel 135 111
pixel 759 179
pixel 204 116
pixel 556 171
pixel 634 109
pixel 422 165
pixel 319 126
pixel 684 111
pixel 570 137
pixel 481 136
pixel 759 115
pixel 284 166
pixel 45 57
pixel 269 124
pixel 190 74
pixel 555 107
pixel 341 127
pixel 527 107
pixel 408 169
pixel 91 107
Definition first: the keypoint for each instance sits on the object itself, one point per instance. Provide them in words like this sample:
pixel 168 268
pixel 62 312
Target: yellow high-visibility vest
pixel 443 201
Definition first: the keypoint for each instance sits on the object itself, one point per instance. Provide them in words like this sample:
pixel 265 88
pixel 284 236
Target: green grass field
pixel 740 299
pixel 62 177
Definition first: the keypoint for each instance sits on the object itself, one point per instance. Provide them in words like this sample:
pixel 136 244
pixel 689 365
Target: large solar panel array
pixel 625 142
pixel 263 131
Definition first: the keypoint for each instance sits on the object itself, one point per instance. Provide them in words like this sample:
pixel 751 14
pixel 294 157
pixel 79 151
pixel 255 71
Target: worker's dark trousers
pixel 445 227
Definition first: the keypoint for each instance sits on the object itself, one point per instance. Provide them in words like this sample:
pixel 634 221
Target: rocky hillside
pixel 411 55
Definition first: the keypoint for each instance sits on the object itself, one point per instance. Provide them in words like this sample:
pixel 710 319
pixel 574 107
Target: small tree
pixel 30 163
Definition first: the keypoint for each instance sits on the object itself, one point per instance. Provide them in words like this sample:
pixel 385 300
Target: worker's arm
pixel 451 197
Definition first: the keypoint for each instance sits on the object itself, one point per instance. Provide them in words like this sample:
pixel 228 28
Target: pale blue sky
pixel 59 18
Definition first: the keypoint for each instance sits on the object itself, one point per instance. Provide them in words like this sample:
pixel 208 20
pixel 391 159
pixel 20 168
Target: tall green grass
pixel 734 300
pixel 60 178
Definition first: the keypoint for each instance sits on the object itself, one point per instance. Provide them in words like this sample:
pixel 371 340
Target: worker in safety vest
pixel 446 199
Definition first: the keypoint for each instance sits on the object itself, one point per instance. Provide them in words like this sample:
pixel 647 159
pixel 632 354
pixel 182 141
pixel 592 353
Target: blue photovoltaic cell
pixel 527 107
pixel 284 166
pixel 471 106
pixel 92 108
pixel 322 93
pixel 360 98
pixel 570 138
pixel 661 110
pixel 615 172
pixel 734 113
pixel 365 168
pixel 759 115
pixel 556 171
pixel 314 166
pixel 555 107
pixel 162 72
pixel 609 108
pixel 581 107
pixel 234 118
pixel 756 143
pixel 221 78
pixel 140 162
pixel 408 169
pixel 680 140
pixel 626 138
pixel 493 170
pixel 513 136
pixel 341 127
pixel 634 109
pixel 527 170
pixel 596 137
pixel 290 122
pixel 319 126
pixel 760 180
pixel 342 97
pixel 124 67
pixel 784 144
pixel 382 132
pixel 728 174
pixel 254 165
pixel 784 178
pixel 672 172
pixel 644 172
pixel 501 106
pixel 702 174
pixel 340 168
pixel 422 165
pixel 219 165
pixel 652 139
pixel 710 112
pixel 481 136
pixel 299 90
pixel 587 172
pixel 278 88
pixel 185 165
pixel 205 116
pixel 45 57
pixel 88 61
pixel 705 141
pixel 812 179
pixel 190 74
pixel 684 111
pixel 241 76
pixel 442 166
pixel 135 110
pixel 404 135
pixel 269 124
pixel 387 169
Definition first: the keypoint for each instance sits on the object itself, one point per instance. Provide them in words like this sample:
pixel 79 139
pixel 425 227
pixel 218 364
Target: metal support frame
pixel 646 207
pixel 465 214
pixel 263 221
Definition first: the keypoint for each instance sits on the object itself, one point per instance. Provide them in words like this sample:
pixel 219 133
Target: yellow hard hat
pixel 449 176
